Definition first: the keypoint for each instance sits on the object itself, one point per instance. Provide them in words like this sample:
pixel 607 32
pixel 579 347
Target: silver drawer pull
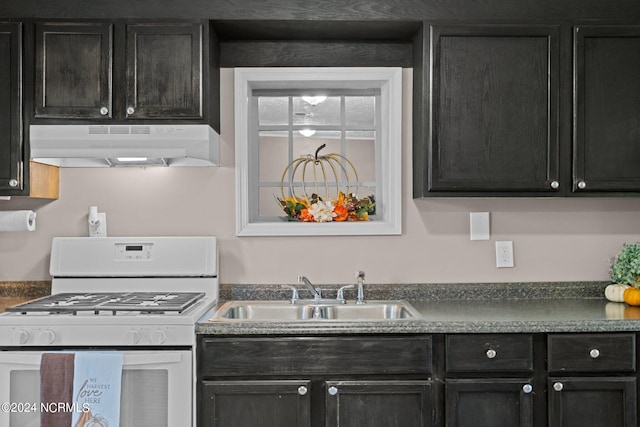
pixel 302 390
pixel 558 386
pixel 527 388
pixel 491 353
pixel 594 353
pixel 333 390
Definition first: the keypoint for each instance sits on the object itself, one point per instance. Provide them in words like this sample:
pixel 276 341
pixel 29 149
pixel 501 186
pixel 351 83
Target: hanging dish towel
pixel 97 385
pixel 56 386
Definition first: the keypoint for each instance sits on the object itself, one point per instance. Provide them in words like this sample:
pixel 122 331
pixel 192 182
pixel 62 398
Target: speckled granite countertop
pixel 455 308
pixel 13 293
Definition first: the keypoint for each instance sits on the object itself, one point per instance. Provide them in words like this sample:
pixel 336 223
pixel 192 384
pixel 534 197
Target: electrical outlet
pixel 99 229
pixel 504 254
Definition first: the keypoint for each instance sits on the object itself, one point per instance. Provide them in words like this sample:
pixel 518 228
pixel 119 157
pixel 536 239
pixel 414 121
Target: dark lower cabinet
pixel 489 402
pixel 342 381
pixel 592 402
pixel 275 403
pixel 441 380
pixel 379 403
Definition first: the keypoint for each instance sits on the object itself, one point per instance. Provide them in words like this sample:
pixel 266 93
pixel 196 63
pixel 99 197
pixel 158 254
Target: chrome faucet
pixel 317 293
pixel 360 279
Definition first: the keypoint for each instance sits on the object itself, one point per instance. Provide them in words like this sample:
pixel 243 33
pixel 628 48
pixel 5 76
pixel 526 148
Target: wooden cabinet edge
pixel 44 181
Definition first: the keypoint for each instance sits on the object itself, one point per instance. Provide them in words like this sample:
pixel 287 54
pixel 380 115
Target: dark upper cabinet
pixel 120 71
pixel 11 140
pixel 494 110
pixel 73 70
pixel 164 71
pixel 606 109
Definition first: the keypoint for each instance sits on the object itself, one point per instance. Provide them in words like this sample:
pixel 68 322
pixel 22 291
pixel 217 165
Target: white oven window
pixel 153 394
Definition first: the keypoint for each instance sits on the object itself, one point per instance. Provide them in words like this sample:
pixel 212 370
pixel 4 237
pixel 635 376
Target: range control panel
pixel 134 251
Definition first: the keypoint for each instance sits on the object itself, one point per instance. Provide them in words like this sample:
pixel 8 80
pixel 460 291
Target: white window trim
pixel 388 159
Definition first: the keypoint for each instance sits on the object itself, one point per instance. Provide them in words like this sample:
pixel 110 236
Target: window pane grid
pixel 342 135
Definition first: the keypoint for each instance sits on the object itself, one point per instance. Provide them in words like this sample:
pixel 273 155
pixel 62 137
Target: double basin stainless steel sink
pixel 311 310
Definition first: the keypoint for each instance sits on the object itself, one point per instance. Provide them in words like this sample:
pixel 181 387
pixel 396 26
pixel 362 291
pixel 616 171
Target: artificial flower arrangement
pixel 346 207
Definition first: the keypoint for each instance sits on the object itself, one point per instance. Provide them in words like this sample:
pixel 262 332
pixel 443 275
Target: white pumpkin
pixel 615 292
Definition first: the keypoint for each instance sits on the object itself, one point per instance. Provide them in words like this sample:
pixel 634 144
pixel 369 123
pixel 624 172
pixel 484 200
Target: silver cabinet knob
pixel 104 111
pixel 582 185
pixel 302 390
pixel 555 185
pixel 13 183
pixel 594 353
pixel 131 110
pixel 558 386
pixel 333 390
pixel 491 353
pixel 527 388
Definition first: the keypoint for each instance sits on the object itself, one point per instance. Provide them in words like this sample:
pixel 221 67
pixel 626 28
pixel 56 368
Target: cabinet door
pixel 379 403
pixel 275 403
pixel 489 403
pixel 494 109
pixel 73 70
pixel 164 71
pixel 592 402
pixel 11 177
pixel 607 109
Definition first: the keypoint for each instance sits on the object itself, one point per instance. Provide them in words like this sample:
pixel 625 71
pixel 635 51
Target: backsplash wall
pixel 554 239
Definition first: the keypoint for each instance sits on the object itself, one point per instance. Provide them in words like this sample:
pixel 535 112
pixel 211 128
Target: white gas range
pixel 138 295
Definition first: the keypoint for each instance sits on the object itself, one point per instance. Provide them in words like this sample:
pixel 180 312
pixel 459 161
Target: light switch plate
pixel 479 225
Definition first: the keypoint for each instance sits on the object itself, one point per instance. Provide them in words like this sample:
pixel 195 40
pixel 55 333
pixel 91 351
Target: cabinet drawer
pixel 489 353
pixel 592 352
pixel 314 355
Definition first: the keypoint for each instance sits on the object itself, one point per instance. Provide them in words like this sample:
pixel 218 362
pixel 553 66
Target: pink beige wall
pixel 554 239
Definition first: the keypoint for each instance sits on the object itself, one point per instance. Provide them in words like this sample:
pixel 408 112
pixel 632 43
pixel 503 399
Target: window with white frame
pixel 318 151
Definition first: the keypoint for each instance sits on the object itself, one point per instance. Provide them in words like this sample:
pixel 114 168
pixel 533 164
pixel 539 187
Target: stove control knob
pixel 158 337
pixel 132 336
pixel 46 336
pixel 20 336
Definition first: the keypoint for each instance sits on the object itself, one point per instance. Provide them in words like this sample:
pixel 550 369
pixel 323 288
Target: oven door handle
pixel 130 358
pixel 152 358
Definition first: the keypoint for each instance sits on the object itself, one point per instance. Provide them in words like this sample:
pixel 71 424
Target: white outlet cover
pixel 504 254
pixel 479 225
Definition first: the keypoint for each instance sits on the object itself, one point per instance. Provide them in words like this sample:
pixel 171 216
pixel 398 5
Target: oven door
pixel 157 389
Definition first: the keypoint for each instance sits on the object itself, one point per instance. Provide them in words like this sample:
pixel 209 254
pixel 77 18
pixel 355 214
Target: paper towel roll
pixel 17 220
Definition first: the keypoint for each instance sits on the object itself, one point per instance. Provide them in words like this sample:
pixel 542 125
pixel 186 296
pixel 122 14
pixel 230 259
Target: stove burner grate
pixel 143 302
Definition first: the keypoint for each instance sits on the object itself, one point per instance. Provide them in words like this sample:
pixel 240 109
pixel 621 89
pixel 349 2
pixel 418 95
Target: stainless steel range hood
pixel 125 145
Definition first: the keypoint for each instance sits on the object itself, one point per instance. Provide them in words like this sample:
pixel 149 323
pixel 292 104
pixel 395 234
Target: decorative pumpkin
pixel 615 292
pixel 632 296
pixel 320 190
